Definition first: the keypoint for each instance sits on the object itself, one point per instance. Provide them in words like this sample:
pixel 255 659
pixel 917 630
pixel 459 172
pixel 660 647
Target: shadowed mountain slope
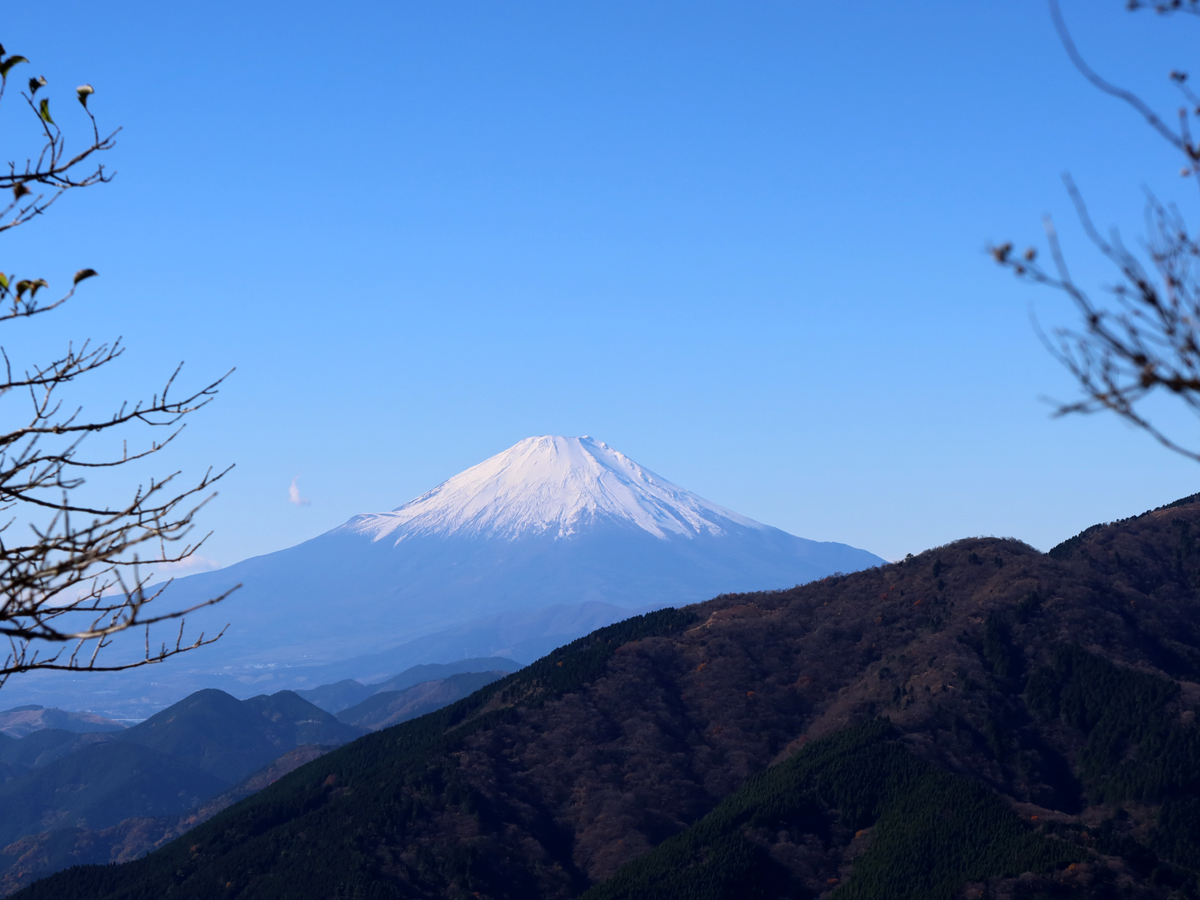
pixel 37 855
pixel 66 786
pixel 333 698
pixel 102 784
pixel 25 720
pixel 231 738
pixel 978 717
pixel 419 674
pixel 341 695
pixel 45 746
pixel 393 707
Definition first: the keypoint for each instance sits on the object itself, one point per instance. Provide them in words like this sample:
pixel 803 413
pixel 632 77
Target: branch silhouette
pixel 74 573
pixel 1144 338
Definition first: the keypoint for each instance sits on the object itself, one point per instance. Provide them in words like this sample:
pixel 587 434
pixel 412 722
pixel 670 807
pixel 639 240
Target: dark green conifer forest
pixel 978 720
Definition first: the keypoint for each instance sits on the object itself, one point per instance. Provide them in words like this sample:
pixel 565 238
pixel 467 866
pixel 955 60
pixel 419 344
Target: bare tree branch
pixel 64 592
pixel 1145 339
pixel 1132 99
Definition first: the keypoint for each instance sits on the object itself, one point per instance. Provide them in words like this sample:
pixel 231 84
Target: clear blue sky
pixel 742 243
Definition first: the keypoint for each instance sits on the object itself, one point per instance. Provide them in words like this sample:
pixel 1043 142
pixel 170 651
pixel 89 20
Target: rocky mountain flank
pixel 979 720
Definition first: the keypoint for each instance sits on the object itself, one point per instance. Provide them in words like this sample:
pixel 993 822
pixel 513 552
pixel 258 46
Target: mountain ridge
pixel 25 720
pixel 1025 691
pixel 596 529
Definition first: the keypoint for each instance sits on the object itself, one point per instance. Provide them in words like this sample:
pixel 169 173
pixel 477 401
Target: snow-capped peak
pixel 556 485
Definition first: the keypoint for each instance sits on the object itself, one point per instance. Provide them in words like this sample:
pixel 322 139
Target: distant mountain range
pixel 110 794
pixel 529 549
pixel 387 708
pixel 68 797
pixel 979 720
pixel 344 694
pixel 22 720
pixel 166 765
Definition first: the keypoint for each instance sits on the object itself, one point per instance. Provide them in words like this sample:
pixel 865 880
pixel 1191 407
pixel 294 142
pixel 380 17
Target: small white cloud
pixel 294 494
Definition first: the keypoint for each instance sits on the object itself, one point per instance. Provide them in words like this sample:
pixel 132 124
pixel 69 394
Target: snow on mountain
pixel 551 485
pixel 525 551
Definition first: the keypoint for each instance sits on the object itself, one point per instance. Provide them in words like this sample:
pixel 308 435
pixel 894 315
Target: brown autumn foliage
pixel 550 798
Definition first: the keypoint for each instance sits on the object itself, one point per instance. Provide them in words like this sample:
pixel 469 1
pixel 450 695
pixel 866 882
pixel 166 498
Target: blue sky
pixel 742 243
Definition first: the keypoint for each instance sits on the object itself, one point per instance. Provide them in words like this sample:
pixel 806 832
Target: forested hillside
pixel 981 719
pixel 68 797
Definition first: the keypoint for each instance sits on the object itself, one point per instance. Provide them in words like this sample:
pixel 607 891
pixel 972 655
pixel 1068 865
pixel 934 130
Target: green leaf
pixel 7 64
pixel 35 286
pixel 44 108
pixel 3 277
pixel 84 273
pixel 35 83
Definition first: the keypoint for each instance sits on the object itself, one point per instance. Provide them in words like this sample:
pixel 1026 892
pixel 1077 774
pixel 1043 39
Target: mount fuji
pixel 554 486
pixel 523 552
